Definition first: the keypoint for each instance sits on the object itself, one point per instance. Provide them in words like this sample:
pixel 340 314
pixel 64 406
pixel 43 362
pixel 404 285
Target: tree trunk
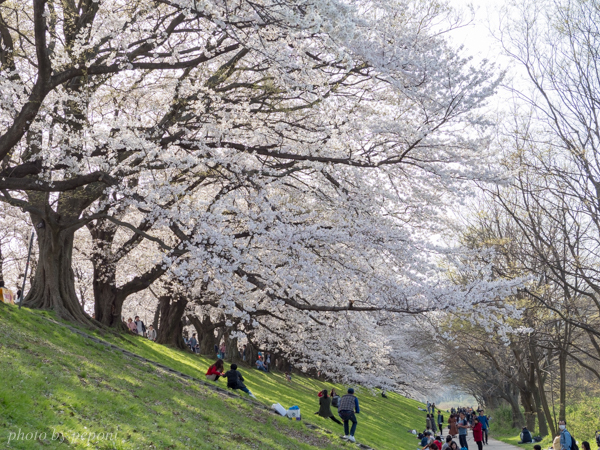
pixel 109 298
pixel 512 397
pixel 251 352
pixel 170 331
pixel 562 368
pixel 205 328
pixel 156 317
pixel 541 378
pixel 1 263
pixel 232 354
pixel 107 305
pixel 527 403
pixel 53 286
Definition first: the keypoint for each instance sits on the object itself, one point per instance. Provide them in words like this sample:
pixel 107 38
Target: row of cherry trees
pixel 275 170
pixel 542 226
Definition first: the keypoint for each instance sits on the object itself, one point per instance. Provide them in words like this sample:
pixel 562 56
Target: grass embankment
pixel 55 381
pixel 583 419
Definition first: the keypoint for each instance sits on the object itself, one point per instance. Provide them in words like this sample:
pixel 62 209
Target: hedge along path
pixel 171 371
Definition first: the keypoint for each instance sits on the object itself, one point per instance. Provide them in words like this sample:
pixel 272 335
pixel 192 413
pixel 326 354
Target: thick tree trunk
pixel 54 284
pixel 251 352
pixel 107 306
pixel 205 328
pixel 232 353
pixel 170 331
pixel 109 298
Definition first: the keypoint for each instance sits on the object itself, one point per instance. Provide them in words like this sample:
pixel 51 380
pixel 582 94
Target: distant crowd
pixel 463 419
pixel 460 421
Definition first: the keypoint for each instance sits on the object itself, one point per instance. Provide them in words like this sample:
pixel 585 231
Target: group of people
pixel 347 406
pixel 459 422
pixel 564 441
pixel 235 380
pixel 138 327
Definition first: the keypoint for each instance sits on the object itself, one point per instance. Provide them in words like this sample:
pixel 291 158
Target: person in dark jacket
pixel 525 436
pixel 235 380
pixel 348 406
pixel 325 407
pixel 335 399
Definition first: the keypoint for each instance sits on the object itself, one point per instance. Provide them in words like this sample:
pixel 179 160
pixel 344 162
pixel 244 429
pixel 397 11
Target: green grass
pixel 56 381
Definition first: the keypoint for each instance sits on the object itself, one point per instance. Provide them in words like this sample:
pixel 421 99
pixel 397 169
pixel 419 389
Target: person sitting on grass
pixel 426 439
pixel 325 407
pixel 335 398
pixel 260 365
pixel 235 380
pixel 288 376
pixel 215 371
pixel 525 436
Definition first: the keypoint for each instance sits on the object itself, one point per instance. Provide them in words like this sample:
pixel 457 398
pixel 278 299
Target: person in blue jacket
pixel 485 425
pixel 348 406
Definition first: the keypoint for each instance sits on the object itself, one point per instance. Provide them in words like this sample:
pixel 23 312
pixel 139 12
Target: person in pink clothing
pixel 131 325
pixel 478 433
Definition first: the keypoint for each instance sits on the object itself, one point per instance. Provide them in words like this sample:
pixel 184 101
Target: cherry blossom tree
pixel 289 163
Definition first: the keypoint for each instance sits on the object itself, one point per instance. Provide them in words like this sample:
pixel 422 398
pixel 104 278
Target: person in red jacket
pixel 478 433
pixel 215 371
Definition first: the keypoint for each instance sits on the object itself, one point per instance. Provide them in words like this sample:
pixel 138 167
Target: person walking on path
pixel 452 425
pixel 485 425
pixel 463 427
pixel 141 328
pixel 478 433
pixel 193 343
pixel 428 423
pixel 566 440
pixel 131 325
pixel 348 406
pixel 440 421
pixel 151 333
pixel 325 407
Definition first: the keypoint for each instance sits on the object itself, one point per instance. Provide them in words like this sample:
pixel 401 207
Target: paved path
pixel 493 443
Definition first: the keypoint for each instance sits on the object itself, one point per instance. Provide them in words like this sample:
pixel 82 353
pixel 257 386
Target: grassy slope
pixel 53 379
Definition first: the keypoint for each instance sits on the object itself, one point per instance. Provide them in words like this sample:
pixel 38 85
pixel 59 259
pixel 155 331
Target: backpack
pixel 574 445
